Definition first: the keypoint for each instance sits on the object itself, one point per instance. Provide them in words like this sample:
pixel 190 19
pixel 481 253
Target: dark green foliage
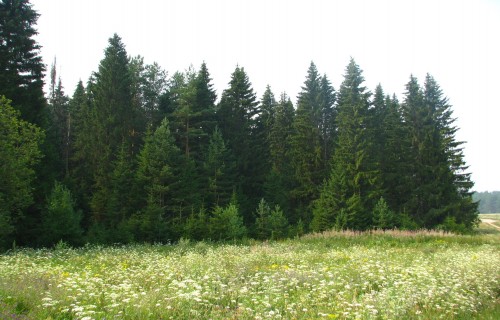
pixel 280 178
pixel 239 118
pixel 327 121
pixel 340 160
pixel 305 146
pixel 19 153
pixel 219 172
pixel 155 176
pixel 440 188
pixel 149 84
pixel 383 217
pixel 21 66
pixel 354 183
pixel 58 129
pixel 270 223
pixel 226 223
pixel 458 192
pixel 196 226
pixel 61 219
pixel 394 156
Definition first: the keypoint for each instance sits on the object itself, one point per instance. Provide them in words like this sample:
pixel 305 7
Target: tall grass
pixel 331 275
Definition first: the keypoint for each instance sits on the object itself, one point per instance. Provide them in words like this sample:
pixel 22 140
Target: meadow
pixel 333 275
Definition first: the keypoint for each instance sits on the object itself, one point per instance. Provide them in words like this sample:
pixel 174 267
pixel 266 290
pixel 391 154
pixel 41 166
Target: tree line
pixel 136 155
pixel 489 202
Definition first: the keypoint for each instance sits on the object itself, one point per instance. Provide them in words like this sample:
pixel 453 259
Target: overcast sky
pixel 457 41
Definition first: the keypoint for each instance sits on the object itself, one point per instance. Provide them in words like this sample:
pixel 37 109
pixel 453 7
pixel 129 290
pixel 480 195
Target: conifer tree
pixel 239 114
pixel 58 130
pixel 353 187
pixel 82 161
pixel 61 219
pixel 395 159
pixel 218 170
pixel 155 176
pixel 21 66
pixel 113 122
pixel 458 195
pixel 279 180
pixel 305 146
pixel 327 125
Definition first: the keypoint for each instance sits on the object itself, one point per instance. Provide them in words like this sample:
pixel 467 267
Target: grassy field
pixel 487 228
pixel 392 275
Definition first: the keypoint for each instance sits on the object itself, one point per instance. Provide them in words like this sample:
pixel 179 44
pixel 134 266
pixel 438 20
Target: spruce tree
pixel 280 178
pixel 113 123
pixel 58 130
pixel 239 116
pixel 458 195
pixel 155 177
pixel 395 160
pixel 219 172
pixel 21 66
pixel 353 187
pixel 81 161
pixel 305 147
pixel 60 219
pixel 327 124
pixel 429 174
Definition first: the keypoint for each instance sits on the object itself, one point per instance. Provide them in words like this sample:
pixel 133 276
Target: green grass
pixel 333 275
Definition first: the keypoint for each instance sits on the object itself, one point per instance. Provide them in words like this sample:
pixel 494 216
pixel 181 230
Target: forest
pixel 135 155
pixel 489 202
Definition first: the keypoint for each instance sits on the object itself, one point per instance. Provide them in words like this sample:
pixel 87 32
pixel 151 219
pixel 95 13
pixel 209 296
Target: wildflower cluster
pixel 293 279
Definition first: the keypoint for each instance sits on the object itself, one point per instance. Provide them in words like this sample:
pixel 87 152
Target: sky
pixel 456 41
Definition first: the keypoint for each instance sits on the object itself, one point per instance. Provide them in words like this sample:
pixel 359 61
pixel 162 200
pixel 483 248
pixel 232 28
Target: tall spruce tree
pixel 239 116
pixel 305 147
pixel 21 66
pixel 82 156
pixel 429 173
pixel 280 178
pixel 327 125
pixel 457 195
pixel 353 187
pixel 155 177
pixel 113 124
pixel 58 130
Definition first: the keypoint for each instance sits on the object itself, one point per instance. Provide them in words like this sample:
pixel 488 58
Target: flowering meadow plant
pixel 329 276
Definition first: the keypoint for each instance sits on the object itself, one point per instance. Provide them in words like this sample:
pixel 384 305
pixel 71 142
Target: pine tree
pixel 353 187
